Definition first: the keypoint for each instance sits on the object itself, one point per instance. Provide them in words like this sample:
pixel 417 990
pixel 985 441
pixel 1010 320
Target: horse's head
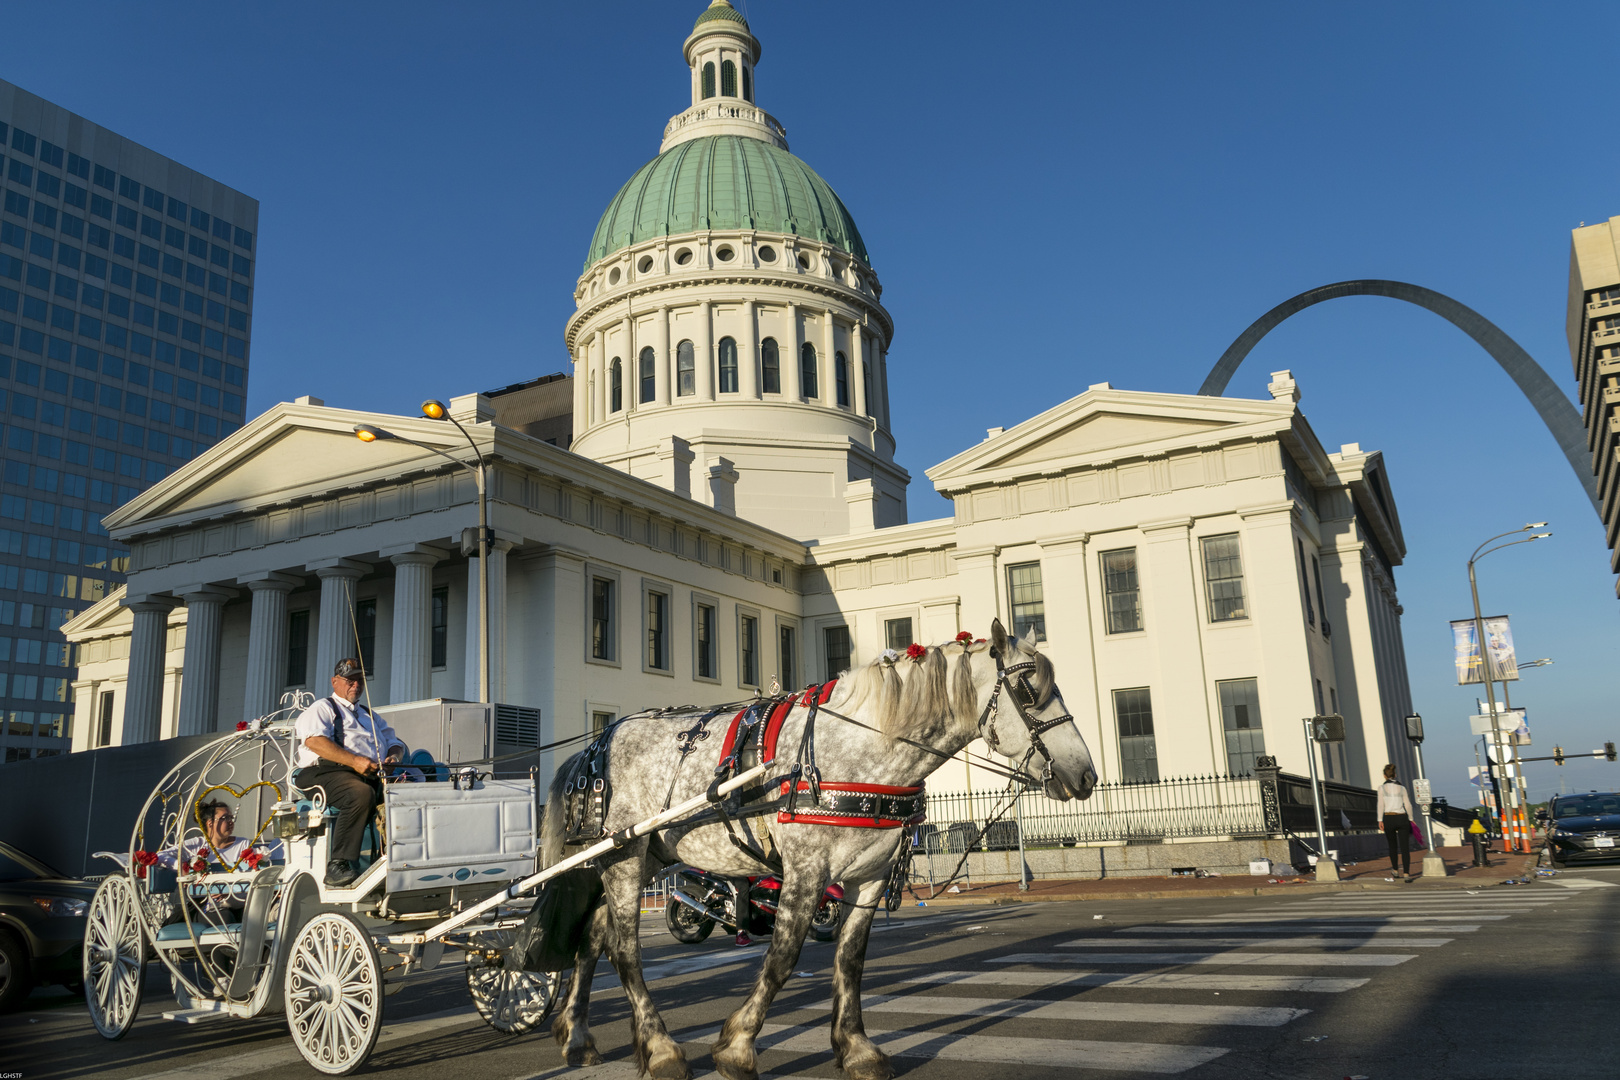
pixel 1029 721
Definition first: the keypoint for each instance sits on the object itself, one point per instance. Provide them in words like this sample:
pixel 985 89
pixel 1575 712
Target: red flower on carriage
pixel 253 858
pixel 143 859
pixel 916 651
pixel 965 637
pixel 241 725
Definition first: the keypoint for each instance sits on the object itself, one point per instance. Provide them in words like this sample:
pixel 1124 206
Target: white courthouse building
pixel 1201 570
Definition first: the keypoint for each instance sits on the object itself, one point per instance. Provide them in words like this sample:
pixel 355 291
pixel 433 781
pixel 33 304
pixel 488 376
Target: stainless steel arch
pixel 1550 403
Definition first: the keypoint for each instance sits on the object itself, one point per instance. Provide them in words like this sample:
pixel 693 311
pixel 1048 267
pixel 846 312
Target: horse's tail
pixel 552 823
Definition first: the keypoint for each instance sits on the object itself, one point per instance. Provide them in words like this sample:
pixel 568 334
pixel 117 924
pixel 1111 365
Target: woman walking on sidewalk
pixel 1396 808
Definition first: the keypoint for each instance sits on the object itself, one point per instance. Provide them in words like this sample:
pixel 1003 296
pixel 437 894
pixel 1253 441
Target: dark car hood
pixel 75 890
pixel 1593 823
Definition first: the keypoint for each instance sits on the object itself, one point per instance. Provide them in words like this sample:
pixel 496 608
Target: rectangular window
pixel 104 177
pixel 1316 571
pixel 748 650
pixel 602 628
pixel 836 644
pixel 105 719
pixel 1304 582
pixel 1138 755
pixel 1240 715
pixel 441 627
pixel 708 666
pixel 297 648
pixel 1223 578
pixel 897 634
pixel 1028 600
pixel 600 722
pixel 1122 594
pixel 657 630
pixel 787 657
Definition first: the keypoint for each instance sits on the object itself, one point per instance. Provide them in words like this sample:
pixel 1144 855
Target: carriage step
pixel 212 1010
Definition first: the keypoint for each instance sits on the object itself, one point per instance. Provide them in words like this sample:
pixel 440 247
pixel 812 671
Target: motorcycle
pixel 698 900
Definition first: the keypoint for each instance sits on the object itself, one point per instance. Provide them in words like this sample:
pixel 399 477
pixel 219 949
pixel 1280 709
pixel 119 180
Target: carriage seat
pixel 212 936
pixel 369 841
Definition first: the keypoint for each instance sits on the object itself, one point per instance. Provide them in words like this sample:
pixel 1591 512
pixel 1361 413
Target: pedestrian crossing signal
pixel 1608 751
pixel 1558 755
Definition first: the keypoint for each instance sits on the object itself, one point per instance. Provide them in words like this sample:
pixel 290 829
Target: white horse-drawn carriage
pixel 255 930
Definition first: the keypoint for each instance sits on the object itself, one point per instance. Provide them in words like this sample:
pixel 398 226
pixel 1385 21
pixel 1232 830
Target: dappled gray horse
pixel 853 763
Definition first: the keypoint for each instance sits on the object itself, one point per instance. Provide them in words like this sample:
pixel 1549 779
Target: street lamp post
pixel 1485 654
pixel 436 410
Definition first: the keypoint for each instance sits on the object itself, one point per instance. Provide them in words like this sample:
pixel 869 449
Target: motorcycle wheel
pixel 828 920
pixel 686 925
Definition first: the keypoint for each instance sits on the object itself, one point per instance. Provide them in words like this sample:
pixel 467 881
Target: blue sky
pixel 1053 195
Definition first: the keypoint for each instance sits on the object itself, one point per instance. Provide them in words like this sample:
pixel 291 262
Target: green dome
pixel 720 9
pixel 724 182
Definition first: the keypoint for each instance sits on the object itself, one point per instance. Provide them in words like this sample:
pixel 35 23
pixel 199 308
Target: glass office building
pixel 126 305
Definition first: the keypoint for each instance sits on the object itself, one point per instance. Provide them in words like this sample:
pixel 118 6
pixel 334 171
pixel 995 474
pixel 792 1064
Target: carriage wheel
pixel 334 993
pixel 114 957
pixel 511 1000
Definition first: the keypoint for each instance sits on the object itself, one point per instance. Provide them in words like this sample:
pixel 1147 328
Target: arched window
pixel 685 370
pixel 841 373
pixel 807 370
pixel 728 79
pixel 649 376
pixel 615 386
pixel 728 366
pixel 708 80
pixel 748 83
pixel 770 367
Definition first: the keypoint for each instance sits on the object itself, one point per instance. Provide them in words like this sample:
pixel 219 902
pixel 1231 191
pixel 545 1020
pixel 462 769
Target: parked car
pixel 1583 828
pixel 42 917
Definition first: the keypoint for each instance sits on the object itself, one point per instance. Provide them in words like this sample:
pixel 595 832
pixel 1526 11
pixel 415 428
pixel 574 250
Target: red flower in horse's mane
pixel 241 725
pixel 965 637
pixel 916 651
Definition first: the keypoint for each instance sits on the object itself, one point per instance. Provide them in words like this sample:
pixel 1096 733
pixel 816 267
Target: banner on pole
pixel 1504 664
pixel 1506 721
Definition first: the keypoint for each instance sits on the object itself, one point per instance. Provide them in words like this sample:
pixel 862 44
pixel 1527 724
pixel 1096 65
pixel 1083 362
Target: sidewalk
pixel 1460 874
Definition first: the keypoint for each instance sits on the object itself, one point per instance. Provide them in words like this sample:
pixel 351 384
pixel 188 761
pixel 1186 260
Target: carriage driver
pixel 345 748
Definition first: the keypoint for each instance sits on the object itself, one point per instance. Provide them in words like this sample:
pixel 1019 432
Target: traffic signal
pixel 1608 751
pixel 1558 755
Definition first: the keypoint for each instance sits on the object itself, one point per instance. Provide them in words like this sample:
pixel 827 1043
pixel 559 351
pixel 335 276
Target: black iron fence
pixel 1181 808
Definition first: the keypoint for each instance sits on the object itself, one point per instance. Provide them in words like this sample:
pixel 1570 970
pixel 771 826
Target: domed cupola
pixel 729 341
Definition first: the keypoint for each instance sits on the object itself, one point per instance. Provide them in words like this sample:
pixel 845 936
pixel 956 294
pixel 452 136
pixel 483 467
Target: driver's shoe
pixel 340 873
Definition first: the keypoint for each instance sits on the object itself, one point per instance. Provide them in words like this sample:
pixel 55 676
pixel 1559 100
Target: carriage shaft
pixel 601 847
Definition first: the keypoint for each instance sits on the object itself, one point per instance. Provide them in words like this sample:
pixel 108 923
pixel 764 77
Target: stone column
pixel 829 373
pixel 497 612
pixel 748 355
pixel 199 687
pixel 334 638
pixel 582 377
pixel 598 387
pixel 880 381
pixel 857 370
pixel 267 643
pixel 411 666
pixel 632 366
pixel 704 360
pixel 143 693
pixel 662 364
pixel 788 356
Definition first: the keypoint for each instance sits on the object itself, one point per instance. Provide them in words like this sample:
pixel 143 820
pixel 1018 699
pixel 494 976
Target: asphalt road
pixel 1503 981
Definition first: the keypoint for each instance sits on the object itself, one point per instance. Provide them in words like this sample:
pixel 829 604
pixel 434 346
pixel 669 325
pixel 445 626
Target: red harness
pixel 861 806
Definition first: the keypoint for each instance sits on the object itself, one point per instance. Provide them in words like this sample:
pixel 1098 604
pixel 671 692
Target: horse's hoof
pixel 671 1067
pixel 876 1068
pixel 735 1072
pixel 581 1055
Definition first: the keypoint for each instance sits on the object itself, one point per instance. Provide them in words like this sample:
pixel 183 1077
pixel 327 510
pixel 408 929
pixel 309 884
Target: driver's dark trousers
pixel 355 797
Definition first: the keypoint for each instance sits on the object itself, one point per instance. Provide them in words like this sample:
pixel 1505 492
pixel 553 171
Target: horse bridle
pixel 1015 678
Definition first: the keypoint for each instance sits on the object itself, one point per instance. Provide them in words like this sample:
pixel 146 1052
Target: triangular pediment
pixel 1104 424
pixel 289 453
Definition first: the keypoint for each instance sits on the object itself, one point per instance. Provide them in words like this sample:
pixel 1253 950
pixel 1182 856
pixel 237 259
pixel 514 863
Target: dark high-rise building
pixel 126 300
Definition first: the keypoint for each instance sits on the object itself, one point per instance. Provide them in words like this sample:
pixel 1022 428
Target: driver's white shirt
pixel 364 732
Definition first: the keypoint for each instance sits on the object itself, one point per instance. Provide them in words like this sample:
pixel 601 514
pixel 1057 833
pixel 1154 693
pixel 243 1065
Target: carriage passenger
pixel 218 846
pixel 346 749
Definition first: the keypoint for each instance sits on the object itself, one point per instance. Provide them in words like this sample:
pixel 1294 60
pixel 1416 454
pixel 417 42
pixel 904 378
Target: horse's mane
pixel 907 695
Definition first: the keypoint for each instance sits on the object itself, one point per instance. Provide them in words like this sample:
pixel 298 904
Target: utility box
pixel 468 732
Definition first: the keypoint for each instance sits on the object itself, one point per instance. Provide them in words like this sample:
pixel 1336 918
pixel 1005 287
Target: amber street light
pixel 436 410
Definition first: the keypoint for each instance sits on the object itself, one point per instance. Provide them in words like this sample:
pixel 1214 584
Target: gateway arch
pixel 1551 403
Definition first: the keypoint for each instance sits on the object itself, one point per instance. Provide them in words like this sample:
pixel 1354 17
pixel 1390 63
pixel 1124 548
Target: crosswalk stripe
pixel 1116 1012
pixel 1581 883
pixel 1306 929
pixel 1306 917
pixel 1302 942
pixel 1005 1051
pixel 1233 958
pixel 1124 980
